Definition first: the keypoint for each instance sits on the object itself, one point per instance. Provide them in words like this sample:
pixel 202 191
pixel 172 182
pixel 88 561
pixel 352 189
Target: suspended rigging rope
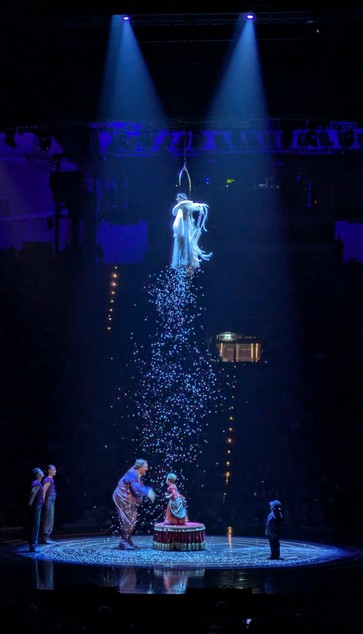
pixel 184 171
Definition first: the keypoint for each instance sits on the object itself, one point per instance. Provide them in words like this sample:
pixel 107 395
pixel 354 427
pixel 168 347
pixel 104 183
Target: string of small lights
pixel 113 283
pixel 229 431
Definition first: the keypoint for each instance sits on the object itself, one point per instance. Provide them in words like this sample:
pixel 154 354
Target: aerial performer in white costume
pixel 190 220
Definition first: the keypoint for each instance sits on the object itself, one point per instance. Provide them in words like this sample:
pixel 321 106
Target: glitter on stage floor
pixel 220 552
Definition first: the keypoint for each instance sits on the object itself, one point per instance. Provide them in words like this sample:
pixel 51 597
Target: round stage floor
pixel 220 552
pixel 233 562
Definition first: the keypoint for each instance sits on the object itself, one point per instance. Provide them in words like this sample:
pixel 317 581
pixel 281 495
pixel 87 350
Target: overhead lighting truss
pixel 127 139
pixel 133 139
pixel 88 20
pixel 261 17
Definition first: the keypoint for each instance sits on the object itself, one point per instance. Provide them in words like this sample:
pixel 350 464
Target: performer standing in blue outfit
pixel 49 496
pixel 187 230
pixel 35 508
pixel 127 497
pixel 273 528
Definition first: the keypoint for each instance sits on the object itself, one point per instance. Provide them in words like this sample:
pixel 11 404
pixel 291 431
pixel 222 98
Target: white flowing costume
pixel 186 232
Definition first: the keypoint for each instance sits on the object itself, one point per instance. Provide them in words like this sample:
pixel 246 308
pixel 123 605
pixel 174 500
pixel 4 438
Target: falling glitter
pixel 177 387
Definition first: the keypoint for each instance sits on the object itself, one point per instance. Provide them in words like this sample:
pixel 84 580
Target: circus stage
pixel 225 562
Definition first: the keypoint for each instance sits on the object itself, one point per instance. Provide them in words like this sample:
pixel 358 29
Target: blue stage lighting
pixel 250 16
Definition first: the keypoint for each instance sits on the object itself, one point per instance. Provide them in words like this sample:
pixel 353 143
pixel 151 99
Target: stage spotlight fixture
pixel 10 139
pixel 250 16
pixel 126 18
pixel 347 138
pixel 44 142
pixel 312 139
pixel 305 139
pixel 223 141
pixel 329 138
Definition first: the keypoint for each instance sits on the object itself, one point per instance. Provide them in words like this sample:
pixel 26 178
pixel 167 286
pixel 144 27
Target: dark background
pixel 276 272
pixel 53 55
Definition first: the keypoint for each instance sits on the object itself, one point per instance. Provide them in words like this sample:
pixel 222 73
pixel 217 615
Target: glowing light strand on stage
pixel 112 296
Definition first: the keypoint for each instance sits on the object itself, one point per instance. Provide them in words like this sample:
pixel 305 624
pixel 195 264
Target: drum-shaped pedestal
pixel 190 536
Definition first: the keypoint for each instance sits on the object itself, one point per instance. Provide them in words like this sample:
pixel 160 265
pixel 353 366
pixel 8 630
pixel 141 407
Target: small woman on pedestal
pixel 176 511
pixel 177 532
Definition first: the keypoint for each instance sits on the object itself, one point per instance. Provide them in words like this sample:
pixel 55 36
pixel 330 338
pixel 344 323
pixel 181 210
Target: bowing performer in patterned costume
pixel 127 497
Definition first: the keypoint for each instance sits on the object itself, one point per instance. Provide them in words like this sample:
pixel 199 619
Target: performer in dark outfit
pixel 273 528
pixel 49 496
pixel 35 508
pixel 127 496
pixel 176 511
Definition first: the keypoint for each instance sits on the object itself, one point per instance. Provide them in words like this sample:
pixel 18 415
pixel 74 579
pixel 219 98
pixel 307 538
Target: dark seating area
pixel 86 609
